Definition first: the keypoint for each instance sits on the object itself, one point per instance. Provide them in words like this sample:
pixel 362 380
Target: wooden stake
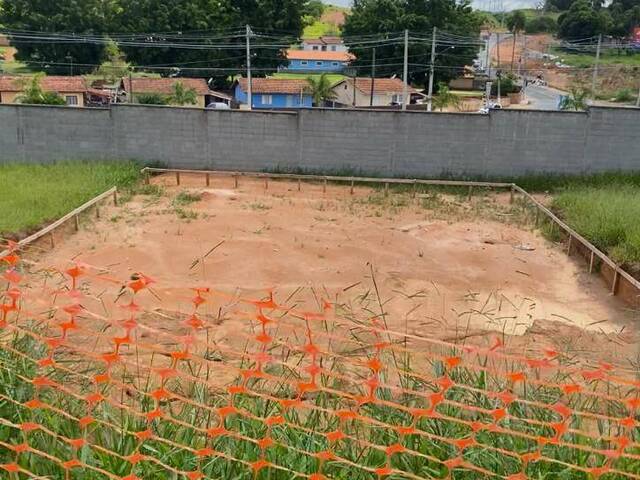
pixel 299 185
pixel 413 192
pixel 178 178
pixel 146 178
pixel 207 179
pixel 235 181
pixel 614 285
pixel 324 186
pixel 569 245
pixel 352 184
pixel 115 197
pixel 537 216
pixel 469 194
pixel 386 189
pixel 76 222
pixel 511 195
pixel 266 183
pixel 591 262
pixel 97 211
pixel 52 240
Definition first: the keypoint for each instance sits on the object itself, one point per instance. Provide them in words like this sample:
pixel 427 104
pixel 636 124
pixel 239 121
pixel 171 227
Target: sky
pixel 495 5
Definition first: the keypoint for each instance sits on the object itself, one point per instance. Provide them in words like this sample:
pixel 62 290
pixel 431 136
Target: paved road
pixel 543 98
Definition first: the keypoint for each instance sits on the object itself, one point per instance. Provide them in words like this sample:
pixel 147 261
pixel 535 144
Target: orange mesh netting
pixel 102 379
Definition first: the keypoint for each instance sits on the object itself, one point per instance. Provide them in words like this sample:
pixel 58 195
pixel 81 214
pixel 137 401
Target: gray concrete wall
pixel 392 143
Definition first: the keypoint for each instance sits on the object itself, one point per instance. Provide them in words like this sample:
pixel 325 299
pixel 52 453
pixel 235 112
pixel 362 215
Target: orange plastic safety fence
pixel 104 379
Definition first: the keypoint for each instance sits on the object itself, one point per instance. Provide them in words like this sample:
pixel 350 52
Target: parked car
pixel 218 106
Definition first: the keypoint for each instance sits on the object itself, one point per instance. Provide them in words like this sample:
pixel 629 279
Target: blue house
pixel 317 61
pixel 274 93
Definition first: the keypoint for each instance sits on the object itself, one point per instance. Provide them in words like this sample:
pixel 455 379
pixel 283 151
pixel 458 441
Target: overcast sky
pixel 481 4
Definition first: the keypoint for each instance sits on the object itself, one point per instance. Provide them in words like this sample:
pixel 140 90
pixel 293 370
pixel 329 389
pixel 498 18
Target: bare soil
pixel 438 265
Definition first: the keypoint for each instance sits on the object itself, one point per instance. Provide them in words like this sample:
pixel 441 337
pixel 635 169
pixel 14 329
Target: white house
pixel 386 91
pixel 325 44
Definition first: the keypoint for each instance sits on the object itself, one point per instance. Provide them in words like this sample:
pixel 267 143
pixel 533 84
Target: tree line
pixel 284 19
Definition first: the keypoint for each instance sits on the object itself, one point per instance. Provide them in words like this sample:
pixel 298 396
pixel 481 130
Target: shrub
pixel 151 99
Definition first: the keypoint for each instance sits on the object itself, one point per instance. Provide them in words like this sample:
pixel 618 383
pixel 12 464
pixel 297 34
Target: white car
pixel 218 106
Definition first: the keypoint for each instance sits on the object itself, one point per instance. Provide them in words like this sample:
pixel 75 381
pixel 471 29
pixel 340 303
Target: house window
pixel 319 64
pixel 71 100
pixel 315 47
pixel 324 48
pixel 267 99
pixel 290 101
pixel 333 48
pixel 335 64
pixel 397 98
pixel 303 62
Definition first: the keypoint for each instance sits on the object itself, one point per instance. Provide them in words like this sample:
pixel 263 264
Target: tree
pixel 91 17
pixel 314 9
pixel 320 88
pixel 381 17
pixel 115 66
pixel 542 24
pixel 445 98
pixel 182 95
pixel 576 100
pixel 516 23
pixel 151 99
pixel 33 93
pixel 583 21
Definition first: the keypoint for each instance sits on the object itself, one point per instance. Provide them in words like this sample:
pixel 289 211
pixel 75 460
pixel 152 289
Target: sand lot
pixel 437 265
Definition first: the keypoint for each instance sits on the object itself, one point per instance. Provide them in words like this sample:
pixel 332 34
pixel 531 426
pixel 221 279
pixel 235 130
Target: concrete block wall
pixel 410 144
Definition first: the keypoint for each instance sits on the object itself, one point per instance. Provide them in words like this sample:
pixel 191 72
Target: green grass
pixel 32 195
pixel 319 29
pixel 585 60
pixel 333 77
pixel 608 216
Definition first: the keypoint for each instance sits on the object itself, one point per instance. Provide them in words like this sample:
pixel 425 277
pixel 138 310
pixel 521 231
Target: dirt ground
pixel 465 272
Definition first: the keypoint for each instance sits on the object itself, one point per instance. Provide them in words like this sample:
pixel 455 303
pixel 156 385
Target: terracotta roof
pixel 49 84
pixel 380 86
pixel 324 41
pixel 275 85
pixel 165 85
pixel 319 55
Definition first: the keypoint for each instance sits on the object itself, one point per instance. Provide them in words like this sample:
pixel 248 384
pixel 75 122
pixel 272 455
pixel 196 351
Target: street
pixel 543 98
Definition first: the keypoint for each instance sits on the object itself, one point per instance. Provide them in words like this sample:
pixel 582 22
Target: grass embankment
pixel 604 208
pixel 587 60
pixel 333 77
pixel 32 195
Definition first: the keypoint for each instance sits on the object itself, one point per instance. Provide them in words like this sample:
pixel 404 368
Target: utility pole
pixel 488 60
pixel 524 63
pixel 595 67
pixel 249 87
pixel 638 99
pixel 130 85
pixel 431 69
pixel 405 71
pixel 498 48
pixel 373 75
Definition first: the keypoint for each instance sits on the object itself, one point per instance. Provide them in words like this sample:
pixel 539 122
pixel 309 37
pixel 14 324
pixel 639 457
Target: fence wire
pixel 100 379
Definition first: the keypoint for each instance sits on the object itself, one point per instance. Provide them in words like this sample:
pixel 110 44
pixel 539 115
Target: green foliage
pixel 516 21
pixel 541 24
pixel 445 98
pixel 370 17
pixel 576 100
pixel 33 93
pixel 182 95
pixel 320 88
pixel 85 17
pixel 624 95
pixel 507 85
pixel 115 65
pixel 314 9
pixel 607 216
pixel 582 20
pixel 33 194
pixel 151 99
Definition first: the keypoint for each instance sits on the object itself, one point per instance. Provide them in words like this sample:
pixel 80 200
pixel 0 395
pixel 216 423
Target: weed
pixel 259 206
pixel 185 214
pixel 186 198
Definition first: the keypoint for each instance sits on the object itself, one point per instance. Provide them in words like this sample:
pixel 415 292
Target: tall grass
pixel 608 216
pixel 31 195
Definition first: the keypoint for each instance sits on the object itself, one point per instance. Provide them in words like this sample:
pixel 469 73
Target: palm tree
pixel 576 100
pixel 320 88
pixel 445 98
pixel 182 95
pixel 516 23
